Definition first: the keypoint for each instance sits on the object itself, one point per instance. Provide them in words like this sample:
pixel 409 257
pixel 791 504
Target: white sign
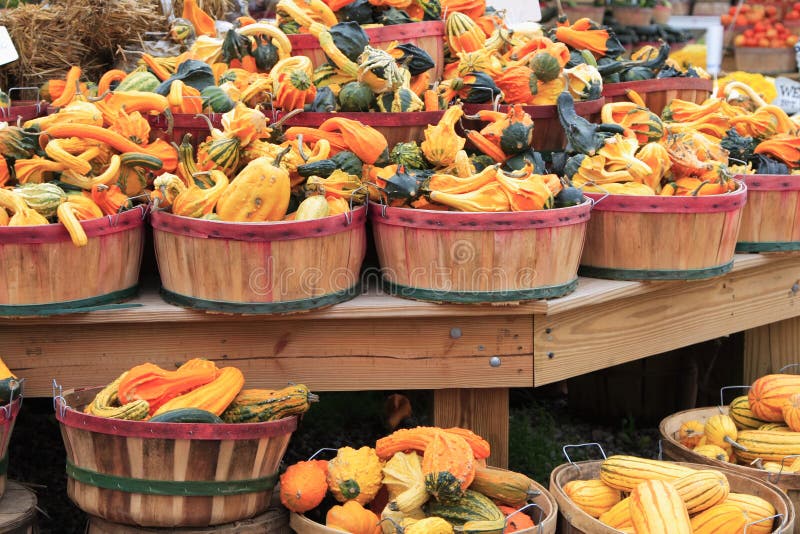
pixel 788 95
pixel 518 11
pixel 8 52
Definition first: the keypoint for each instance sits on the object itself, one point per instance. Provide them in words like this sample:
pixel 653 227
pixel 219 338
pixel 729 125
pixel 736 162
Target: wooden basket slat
pixel 660 92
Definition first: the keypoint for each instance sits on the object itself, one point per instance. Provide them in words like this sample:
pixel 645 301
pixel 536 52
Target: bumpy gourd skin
pixel 259 193
pixel 355 475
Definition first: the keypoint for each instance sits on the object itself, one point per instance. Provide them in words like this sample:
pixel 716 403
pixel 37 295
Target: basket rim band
pixel 478 297
pixel 263 308
pixel 654 274
pixel 259 232
pixel 106 301
pixel 128 220
pixel 171 488
pixel 767 246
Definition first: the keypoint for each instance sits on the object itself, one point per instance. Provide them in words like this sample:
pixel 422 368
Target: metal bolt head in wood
pixel 455 332
pixel 495 361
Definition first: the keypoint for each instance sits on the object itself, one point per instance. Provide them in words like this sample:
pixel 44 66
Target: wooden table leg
pixel 484 411
pixel 770 347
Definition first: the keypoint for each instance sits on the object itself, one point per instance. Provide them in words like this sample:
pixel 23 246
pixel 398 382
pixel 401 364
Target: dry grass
pixel 215 8
pixel 50 38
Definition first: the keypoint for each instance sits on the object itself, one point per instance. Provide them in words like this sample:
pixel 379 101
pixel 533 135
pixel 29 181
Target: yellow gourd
pixel 259 193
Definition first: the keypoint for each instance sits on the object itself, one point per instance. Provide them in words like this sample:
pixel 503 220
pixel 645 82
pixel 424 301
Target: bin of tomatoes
pixel 766 34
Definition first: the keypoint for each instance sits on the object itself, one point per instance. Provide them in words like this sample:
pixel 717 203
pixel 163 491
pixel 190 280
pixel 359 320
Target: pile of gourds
pixel 760 429
pixel 759 137
pixel 641 496
pixel 197 392
pixel 82 163
pixel 436 481
pixel 635 152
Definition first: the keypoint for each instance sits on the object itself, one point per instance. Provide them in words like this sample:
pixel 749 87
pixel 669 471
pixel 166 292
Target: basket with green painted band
pixel 661 237
pixel 168 474
pixel 44 273
pixel 771 217
pixel 260 268
pixel 474 258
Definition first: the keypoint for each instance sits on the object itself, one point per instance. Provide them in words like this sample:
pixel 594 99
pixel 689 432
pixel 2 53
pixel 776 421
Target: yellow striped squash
pixel 791 412
pixel 702 489
pixel 721 431
pixel 619 516
pixel 775 426
pixel 769 445
pixel 720 519
pixel 755 508
pixel 769 393
pixel 742 415
pixel 626 472
pixel 656 508
pixel 592 496
pixel 713 451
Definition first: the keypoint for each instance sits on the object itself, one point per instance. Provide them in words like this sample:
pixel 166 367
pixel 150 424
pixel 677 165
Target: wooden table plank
pixel 334 355
pixel 677 314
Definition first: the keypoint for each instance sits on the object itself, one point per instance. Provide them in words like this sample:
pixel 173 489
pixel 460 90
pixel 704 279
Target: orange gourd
pixel 518 84
pixel 155 385
pixel 656 508
pixel 769 393
pixel 132 126
pixel 70 88
pixel 519 521
pixel 303 486
pixel 352 517
pixel 448 465
pixel 417 439
pixel 213 396
pixel 202 22
pixel 364 141
pixel 690 433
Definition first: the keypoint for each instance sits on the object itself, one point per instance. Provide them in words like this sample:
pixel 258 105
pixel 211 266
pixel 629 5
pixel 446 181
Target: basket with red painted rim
pixel 657 93
pixel 168 474
pixel 662 237
pixel 771 217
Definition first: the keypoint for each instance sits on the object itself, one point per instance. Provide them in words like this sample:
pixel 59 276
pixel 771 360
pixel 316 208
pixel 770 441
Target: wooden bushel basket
pixel 18 510
pixel 8 416
pixel 169 474
pixel 259 268
pixel 44 273
pixel 573 520
pixel 395 127
pixel 23 110
pixel 660 92
pixel 544 514
pixel 789 483
pixel 548 134
pixel 427 35
pixel 771 217
pixel 662 238
pixel 458 257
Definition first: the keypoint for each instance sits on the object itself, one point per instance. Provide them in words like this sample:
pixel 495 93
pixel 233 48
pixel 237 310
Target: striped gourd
pixel 721 431
pixel 473 513
pixel 768 445
pixel 592 496
pixel 720 519
pixel 742 415
pixel 222 154
pixel 626 472
pixel 791 412
pixel 755 508
pixel 257 405
pixel 713 451
pixel 769 393
pixel 702 490
pixel 656 508
pixel 619 516
pixel 775 426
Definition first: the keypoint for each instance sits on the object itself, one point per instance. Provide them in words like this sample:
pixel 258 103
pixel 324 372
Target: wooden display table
pixel 470 355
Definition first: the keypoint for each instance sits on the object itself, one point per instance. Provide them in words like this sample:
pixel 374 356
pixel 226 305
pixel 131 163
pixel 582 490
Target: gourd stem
pixel 694 194
pixel 279 123
pixel 98 98
pixel 732 443
pixel 398 529
pixel 280 156
pixel 300 148
pixel 205 118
